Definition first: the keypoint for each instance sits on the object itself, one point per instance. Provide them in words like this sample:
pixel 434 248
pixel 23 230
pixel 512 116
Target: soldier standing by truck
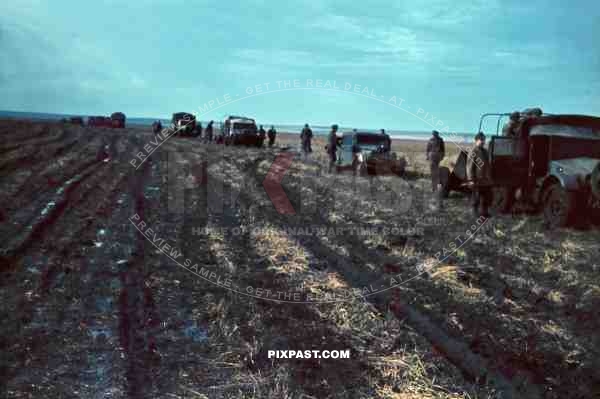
pixel 208 132
pixel 435 152
pixel 510 129
pixel 261 135
pixel 272 133
pixel 478 171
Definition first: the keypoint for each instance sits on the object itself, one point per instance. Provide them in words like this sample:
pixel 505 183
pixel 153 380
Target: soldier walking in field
pixel 435 152
pixel 478 171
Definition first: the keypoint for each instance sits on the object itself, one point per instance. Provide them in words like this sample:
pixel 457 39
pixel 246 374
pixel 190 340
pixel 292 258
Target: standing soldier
pixel 208 132
pixel 388 140
pixel 261 135
pixel 435 153
pixel 478 171
pixel 272 133
pixel 306 137
pixel 332 147
pixel 510 129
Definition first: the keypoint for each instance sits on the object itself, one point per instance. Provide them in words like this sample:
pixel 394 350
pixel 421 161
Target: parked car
pixel 553 166
pixel 367 153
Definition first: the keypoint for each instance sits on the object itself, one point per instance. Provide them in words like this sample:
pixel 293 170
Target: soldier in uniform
pixel 262 134
pixel 306 138
pixel 478 171
pixel 272 133
pixel 510 129
pixel 332 147
pixel 208 132
pixel 435 152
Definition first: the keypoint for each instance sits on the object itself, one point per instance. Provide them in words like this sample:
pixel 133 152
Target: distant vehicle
pixel 74 120
pixel 118 120
pixel 241 130
pixel 367 153
pixel 99 121
pixel 184 123
pixel 553 166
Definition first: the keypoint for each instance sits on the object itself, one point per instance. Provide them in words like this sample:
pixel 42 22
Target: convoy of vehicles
pixel 116 120
pixel 367 153
pixel 552 166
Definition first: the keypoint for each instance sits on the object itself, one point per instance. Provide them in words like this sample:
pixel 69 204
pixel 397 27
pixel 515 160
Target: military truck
pixel 184 123
pixel 118 120
pixel 241 130
pixel 99 121
pixel 552 166
pixel 367 153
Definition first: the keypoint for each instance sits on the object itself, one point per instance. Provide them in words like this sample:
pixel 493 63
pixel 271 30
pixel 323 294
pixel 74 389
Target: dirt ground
pixel 443 306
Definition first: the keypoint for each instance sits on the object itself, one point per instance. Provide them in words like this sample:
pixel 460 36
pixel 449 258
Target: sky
pixel 439 63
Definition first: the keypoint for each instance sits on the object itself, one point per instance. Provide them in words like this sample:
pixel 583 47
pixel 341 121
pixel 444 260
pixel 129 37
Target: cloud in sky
pixel 154 57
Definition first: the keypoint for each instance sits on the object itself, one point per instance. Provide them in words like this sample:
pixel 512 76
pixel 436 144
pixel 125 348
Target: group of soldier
pixel 271 134
pixel 478 161
pixel 478 171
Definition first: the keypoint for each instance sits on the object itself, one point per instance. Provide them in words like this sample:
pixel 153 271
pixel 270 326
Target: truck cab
pixel 554 164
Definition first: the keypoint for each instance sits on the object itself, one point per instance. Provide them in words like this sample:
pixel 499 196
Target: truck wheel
pixel 503 199
pixel 559 206
pixel 445 181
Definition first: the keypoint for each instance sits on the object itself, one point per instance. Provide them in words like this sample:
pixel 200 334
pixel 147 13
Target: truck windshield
pixel 243 126
pixel 371 140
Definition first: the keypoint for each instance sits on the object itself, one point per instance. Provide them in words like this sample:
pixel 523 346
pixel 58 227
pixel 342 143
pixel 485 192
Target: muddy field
pixel 174 277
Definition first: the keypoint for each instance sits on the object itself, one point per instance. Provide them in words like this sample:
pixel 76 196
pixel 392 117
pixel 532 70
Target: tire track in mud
pixel 46 216
pixel 454 350
pixel 514 367
pixel 235 254
pixel 56 137
pixel 59 281
pixel 32 130
pixel 137 311
pixel 31 153
pixel 39 173
pixel 32 201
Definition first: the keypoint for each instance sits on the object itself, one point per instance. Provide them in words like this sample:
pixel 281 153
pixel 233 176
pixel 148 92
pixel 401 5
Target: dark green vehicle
pixel 552 165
